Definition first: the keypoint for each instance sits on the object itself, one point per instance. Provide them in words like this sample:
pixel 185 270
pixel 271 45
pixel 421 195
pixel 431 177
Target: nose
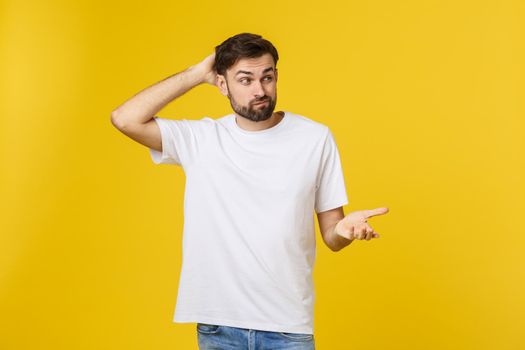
pixel 258 90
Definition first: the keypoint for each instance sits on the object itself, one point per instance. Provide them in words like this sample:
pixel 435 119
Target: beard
pixel 254 114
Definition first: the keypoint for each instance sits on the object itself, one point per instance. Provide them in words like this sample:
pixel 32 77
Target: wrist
pixel 195 74
pixel 338 240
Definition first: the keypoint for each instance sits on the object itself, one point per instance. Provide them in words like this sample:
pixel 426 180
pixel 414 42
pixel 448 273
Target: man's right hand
pixel 205 70
pixel 135 117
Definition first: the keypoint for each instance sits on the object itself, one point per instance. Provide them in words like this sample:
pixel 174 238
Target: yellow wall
pixel 425 100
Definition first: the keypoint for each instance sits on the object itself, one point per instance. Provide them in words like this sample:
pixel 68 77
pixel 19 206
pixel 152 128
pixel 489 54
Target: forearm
pixel 144 105
pixel 335 241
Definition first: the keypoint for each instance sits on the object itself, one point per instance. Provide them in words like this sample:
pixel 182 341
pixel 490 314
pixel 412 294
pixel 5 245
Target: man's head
pixel 247 74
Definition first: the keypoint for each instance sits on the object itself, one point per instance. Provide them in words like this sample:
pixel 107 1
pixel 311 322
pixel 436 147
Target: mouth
pixel 260 102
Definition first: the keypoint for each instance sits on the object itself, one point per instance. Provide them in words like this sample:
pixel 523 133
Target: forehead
pixel 255 65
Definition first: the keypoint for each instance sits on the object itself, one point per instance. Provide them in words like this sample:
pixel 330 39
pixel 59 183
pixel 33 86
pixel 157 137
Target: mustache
pixel 261 100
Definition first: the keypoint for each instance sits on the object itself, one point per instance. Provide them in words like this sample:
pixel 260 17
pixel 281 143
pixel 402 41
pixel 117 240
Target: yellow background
pixel 425 100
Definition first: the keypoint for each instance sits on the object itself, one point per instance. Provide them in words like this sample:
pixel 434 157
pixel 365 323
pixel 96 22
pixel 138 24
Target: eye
pixel 243 80
pixel 268 77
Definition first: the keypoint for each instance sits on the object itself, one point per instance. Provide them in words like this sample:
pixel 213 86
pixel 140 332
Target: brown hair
pixel 243 45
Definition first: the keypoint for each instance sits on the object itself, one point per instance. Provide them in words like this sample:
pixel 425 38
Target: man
pixel 253 179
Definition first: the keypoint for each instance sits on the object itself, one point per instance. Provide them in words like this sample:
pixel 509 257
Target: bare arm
pixel 327 222
pixel 134 117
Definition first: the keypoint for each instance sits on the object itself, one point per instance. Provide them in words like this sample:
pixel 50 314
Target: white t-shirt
pixel 248 246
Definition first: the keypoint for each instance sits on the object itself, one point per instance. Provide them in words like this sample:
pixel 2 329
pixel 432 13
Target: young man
pixel 253 179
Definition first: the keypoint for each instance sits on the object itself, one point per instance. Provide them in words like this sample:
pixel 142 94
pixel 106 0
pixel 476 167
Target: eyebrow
pixel 250 73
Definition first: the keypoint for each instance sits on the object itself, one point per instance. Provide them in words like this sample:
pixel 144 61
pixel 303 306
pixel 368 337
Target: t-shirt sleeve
pixel 179 142
pixel 330 190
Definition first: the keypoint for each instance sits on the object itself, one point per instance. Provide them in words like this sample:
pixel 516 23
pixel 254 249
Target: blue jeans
pixel 217 337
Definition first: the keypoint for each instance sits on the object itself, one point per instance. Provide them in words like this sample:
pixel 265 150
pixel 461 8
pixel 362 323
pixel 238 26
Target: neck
pixel 249 125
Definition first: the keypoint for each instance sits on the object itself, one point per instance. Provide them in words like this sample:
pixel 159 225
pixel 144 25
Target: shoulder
pixel 202 123
pixel 311 126
pixel 186 127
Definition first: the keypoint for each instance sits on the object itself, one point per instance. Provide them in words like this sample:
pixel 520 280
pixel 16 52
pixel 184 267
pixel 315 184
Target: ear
pixel 221 84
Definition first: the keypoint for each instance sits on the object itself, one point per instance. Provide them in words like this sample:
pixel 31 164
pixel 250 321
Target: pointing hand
pixel 355 224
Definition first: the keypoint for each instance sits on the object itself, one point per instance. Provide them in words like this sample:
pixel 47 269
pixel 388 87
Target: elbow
pixel 116 120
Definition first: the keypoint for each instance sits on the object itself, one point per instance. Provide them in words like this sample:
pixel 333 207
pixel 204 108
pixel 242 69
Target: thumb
pixel 375 212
